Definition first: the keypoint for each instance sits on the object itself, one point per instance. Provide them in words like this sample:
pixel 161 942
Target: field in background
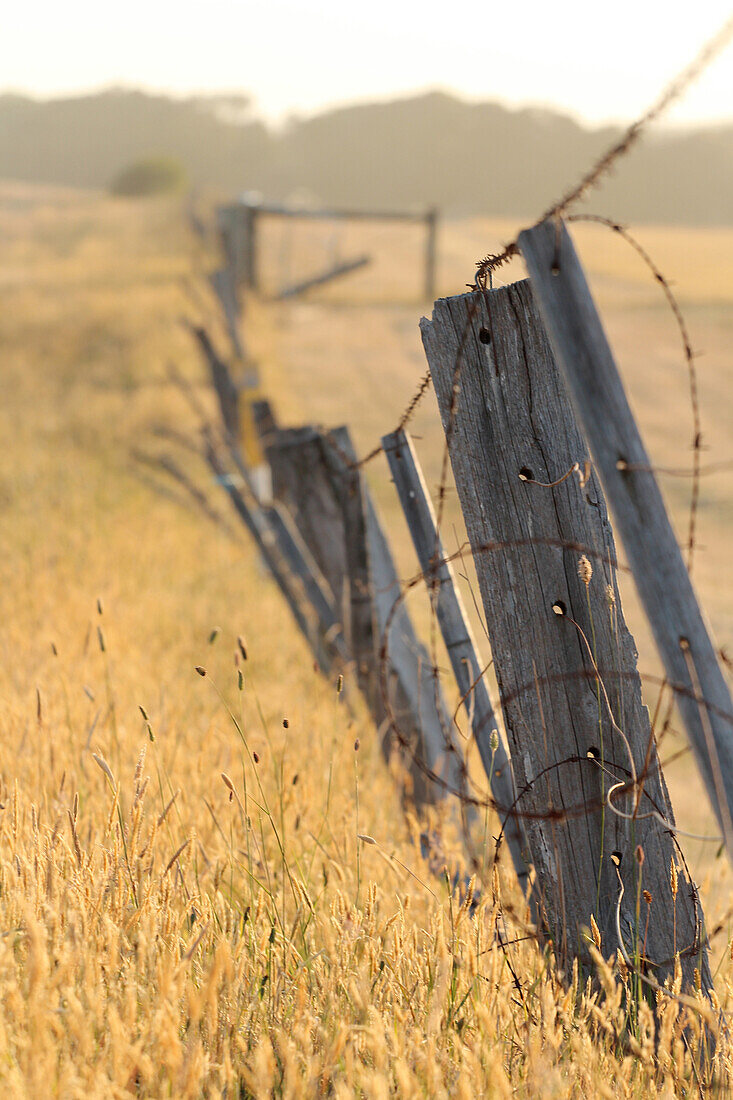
pixel 124 966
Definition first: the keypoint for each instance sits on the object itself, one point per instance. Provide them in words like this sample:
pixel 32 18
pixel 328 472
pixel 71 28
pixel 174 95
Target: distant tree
pixel 150 176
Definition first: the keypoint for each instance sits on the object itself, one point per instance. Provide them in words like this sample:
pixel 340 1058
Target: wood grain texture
pixel 660 574
pixel 457 636
pixel 513 415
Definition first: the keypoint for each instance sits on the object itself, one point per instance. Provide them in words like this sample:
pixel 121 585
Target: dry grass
pixel 241 940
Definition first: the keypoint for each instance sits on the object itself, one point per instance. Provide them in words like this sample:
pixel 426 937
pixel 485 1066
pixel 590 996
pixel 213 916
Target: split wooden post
pixel 405 670
pixel 661 577
pixel 458 637
pixel 564 659
pixel 313 475
pixel 362 610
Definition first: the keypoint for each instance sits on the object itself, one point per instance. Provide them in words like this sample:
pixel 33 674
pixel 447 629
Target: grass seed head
pixel 585 570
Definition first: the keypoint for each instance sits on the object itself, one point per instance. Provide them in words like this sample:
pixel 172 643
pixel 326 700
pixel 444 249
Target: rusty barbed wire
pixel 689 355
pixel 591 674
pixel 406 743
pixel 635 781
pixel 491 263
pixel 673 91
pixel 627 780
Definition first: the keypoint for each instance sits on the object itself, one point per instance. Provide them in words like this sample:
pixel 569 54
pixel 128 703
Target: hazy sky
pixel 601 61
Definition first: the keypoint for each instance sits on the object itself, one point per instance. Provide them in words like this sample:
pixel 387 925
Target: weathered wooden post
pixel 661 577
pixel 313 475
pixel 565 662
pixel 458 639
pixel 302 481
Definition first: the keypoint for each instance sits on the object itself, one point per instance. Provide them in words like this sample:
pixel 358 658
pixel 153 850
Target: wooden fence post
pixel 250 247
pixel 302 481
pixel 458 638
pixel 660 574
pixel 564 659
pixel 232 224
pixel 239 229
pixel 313 476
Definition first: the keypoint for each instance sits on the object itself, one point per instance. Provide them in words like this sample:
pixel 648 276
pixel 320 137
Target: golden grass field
pixel 165 931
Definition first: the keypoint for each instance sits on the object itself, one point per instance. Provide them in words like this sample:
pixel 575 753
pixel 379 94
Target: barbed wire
pixel 630 781
pixel 689 355
pixel 626 781
pixel 486 267
pixel 483 284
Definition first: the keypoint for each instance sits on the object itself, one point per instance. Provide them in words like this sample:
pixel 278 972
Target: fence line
pixel 313 475
pixel 562 693
pixel 239 228
pixel 576 874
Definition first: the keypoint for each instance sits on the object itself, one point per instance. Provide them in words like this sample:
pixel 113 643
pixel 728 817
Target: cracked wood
pixel 513 420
